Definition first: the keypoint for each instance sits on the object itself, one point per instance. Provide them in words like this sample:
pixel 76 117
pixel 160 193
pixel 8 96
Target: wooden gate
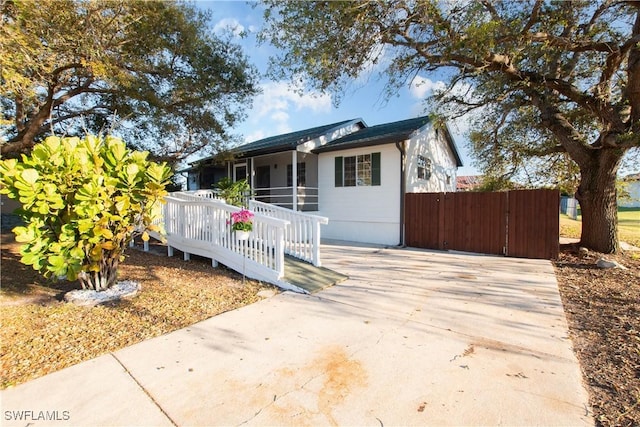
pixel 520 223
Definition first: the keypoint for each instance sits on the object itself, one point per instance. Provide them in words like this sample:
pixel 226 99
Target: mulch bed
pixel 603 312
pixel 40 334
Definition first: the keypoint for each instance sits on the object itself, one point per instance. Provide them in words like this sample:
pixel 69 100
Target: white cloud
pixel 281 96
pixel 283 128
pixel 229 24
pixel 280 116
pixel 254 136
pixel 421 87
pixel 274 108
pixel 278 99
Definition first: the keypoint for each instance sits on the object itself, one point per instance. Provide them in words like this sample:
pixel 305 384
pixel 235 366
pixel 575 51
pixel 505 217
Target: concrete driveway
pixel 412 338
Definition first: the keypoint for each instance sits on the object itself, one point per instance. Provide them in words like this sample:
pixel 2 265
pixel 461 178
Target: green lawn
pixel 628 226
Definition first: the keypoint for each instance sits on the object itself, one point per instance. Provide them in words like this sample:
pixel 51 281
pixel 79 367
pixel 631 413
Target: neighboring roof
pixel 288 141
pixel 384 134
pixel 632 177
pixel 466 183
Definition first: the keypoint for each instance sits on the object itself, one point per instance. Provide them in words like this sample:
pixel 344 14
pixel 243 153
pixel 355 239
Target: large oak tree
pixel 151 71
pixel 552 78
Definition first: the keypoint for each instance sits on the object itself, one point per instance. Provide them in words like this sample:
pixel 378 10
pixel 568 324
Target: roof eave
pixel 452 146
pixel 356 144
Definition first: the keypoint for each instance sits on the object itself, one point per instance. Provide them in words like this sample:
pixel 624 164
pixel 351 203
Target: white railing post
pixel 302 235
pixel 198 224
pixel 279 267
pixel 316 244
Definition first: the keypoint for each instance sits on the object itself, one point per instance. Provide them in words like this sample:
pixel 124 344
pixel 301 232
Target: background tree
pixel 149 71
pixel 548 77
pixel 83 200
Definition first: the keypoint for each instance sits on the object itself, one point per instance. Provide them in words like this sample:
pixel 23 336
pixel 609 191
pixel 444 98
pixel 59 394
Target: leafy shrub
pixel 83 200
pixel 234 193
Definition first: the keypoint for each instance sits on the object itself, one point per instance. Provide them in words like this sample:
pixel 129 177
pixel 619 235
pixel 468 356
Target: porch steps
pixel 312 279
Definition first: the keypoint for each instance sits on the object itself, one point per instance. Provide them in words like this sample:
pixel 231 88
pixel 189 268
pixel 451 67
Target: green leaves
pixel 154 65
pixel 83 199
pixel 30 176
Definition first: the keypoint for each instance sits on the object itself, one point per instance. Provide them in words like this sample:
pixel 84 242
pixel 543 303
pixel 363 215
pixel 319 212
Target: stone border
pixel 90 298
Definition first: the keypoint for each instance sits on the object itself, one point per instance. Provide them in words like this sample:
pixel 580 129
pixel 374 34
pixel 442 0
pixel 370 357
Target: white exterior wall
pixel 368 214
pixel 443 165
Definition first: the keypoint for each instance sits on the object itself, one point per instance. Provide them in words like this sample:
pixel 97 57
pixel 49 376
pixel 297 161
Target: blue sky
pixel 280 110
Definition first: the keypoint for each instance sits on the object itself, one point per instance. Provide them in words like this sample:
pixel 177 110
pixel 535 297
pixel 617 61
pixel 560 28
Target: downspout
pixel 403 188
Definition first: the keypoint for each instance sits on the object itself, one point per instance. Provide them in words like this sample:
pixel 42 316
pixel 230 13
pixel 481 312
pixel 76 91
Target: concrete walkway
pixel 412 338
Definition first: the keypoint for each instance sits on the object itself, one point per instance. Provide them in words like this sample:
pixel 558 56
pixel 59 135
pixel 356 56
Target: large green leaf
pixel 78 213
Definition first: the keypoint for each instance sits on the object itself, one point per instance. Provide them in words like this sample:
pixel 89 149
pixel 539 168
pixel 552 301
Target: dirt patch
pixel 603 312
pixel 41 334
pixel 341 375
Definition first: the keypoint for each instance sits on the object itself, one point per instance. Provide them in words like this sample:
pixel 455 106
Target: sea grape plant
pixel 83 200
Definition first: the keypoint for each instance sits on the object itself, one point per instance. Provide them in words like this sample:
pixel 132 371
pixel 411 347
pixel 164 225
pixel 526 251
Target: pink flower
pixel 242 220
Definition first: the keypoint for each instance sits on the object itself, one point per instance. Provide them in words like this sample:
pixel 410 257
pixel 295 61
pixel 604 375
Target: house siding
pixel 431 145
pixel 364 213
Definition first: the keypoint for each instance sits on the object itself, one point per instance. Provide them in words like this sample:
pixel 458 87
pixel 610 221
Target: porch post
pixel 252 185
pixel 294 178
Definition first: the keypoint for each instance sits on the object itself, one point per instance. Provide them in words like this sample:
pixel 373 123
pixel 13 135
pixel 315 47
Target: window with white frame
pixel 424 168
pixel 355 171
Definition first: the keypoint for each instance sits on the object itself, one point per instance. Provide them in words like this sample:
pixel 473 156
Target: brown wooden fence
pixel 519 223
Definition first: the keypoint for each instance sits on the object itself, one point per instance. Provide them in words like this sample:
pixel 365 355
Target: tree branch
pixel 533 18
pixel 569 45
pixel 632 91
pixel 569 137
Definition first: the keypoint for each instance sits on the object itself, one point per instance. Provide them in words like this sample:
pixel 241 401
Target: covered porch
pixel 287 179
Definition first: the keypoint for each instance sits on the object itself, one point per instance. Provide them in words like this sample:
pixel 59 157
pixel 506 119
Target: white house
pixel 354 174
pixel 633 188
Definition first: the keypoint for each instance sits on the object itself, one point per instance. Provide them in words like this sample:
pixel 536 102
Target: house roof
pixel 466 183
pixel 384 134
pixel 288 141
pixel 387 133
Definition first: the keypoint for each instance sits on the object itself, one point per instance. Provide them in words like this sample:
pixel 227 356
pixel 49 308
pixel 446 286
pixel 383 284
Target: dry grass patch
pixel 39 334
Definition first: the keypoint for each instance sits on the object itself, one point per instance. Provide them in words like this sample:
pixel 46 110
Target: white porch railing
pixel 302 233
pixel 196 195
pixel 197 224
pixel 300 198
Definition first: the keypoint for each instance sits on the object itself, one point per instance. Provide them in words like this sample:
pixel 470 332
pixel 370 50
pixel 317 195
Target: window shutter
pixel 375 169
pixel 338 172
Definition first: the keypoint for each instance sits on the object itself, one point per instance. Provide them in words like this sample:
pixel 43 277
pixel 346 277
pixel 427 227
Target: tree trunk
pixel 25 140
pixel 597 197
pixel 103 279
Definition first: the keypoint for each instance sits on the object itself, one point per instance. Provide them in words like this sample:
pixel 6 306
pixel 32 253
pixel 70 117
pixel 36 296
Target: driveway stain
pixel 288 394
pixel 342 375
